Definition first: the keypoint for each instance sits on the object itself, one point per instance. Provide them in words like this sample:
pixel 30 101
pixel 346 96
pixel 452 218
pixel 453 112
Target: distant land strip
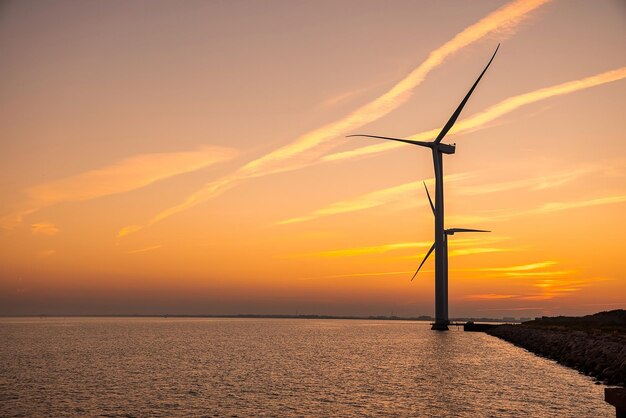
pixel 261 316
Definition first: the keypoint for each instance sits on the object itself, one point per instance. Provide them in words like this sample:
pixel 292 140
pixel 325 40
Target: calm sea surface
pixel 277 367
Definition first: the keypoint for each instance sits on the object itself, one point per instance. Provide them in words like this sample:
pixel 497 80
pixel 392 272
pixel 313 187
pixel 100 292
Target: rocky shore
pixel 595 345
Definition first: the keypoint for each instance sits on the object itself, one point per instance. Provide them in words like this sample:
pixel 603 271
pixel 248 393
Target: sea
pixel 226 367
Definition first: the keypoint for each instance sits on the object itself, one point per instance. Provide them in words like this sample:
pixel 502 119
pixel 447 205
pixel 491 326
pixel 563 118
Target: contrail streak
pixel 278 160
pixel 481 119
pixel 397 246
pixel 407 190
pixel 122 176
pixel 308 148
pixel 371 199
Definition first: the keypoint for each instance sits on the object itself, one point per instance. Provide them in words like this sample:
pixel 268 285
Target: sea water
pixel 277 367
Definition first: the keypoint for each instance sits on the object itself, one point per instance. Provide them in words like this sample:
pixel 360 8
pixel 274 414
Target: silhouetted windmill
pixel 441 242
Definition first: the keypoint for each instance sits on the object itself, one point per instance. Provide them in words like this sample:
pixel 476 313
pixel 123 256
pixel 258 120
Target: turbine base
pixel 440 326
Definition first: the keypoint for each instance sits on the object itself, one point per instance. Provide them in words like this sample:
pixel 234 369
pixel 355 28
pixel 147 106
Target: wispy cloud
pixel 532 183
pixel 477 250
pixel 347 252
pixel 553 207
pixel 144 249
pixel 481 120
pixel 349 275
pixel 552 288
pixel 123 176
pixel 399 246
pixel 372 199
pixel 200 196
pixel 545 209
pixel 44 228
pixel 490 296
pixel 522 267
pixel 560 206
pixel 283 158
pixel 308 148
pixel 539 273
pixel 541 284
pixel 407 191
pixel 548 289
pixel 518 308
pixel 345 96
pixel 528 270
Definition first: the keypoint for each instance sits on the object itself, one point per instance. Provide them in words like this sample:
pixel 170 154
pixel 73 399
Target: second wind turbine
pixel 441 234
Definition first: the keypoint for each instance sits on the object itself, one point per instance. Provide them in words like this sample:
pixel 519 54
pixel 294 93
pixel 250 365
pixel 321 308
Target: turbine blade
pixel 429 199
pixel 458 110
pixel 424 260
pixel 407 141
pixel 454 230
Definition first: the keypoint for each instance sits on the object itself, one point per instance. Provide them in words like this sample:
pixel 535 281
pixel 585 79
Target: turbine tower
pixel 441 241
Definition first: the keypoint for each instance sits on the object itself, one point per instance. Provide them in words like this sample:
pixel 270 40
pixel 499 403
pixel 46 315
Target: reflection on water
pixel 276 367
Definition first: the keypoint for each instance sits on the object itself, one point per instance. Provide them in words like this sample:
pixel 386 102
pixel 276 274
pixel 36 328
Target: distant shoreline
pixel 260 316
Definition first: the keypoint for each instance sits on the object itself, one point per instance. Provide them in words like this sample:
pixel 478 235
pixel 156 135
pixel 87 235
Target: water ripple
pixel 135 367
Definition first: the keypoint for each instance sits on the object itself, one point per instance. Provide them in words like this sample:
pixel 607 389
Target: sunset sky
pixel 190 157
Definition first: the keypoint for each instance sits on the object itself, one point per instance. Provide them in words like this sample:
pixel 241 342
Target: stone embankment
pixel 593 352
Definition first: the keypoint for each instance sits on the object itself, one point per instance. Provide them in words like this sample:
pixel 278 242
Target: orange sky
pixel 189 157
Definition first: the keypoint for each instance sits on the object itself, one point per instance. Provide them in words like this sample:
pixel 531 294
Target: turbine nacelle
pixel 445 148
pixel 436 145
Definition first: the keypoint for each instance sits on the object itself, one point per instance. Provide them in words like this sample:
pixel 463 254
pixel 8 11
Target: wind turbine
pixel 441 242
